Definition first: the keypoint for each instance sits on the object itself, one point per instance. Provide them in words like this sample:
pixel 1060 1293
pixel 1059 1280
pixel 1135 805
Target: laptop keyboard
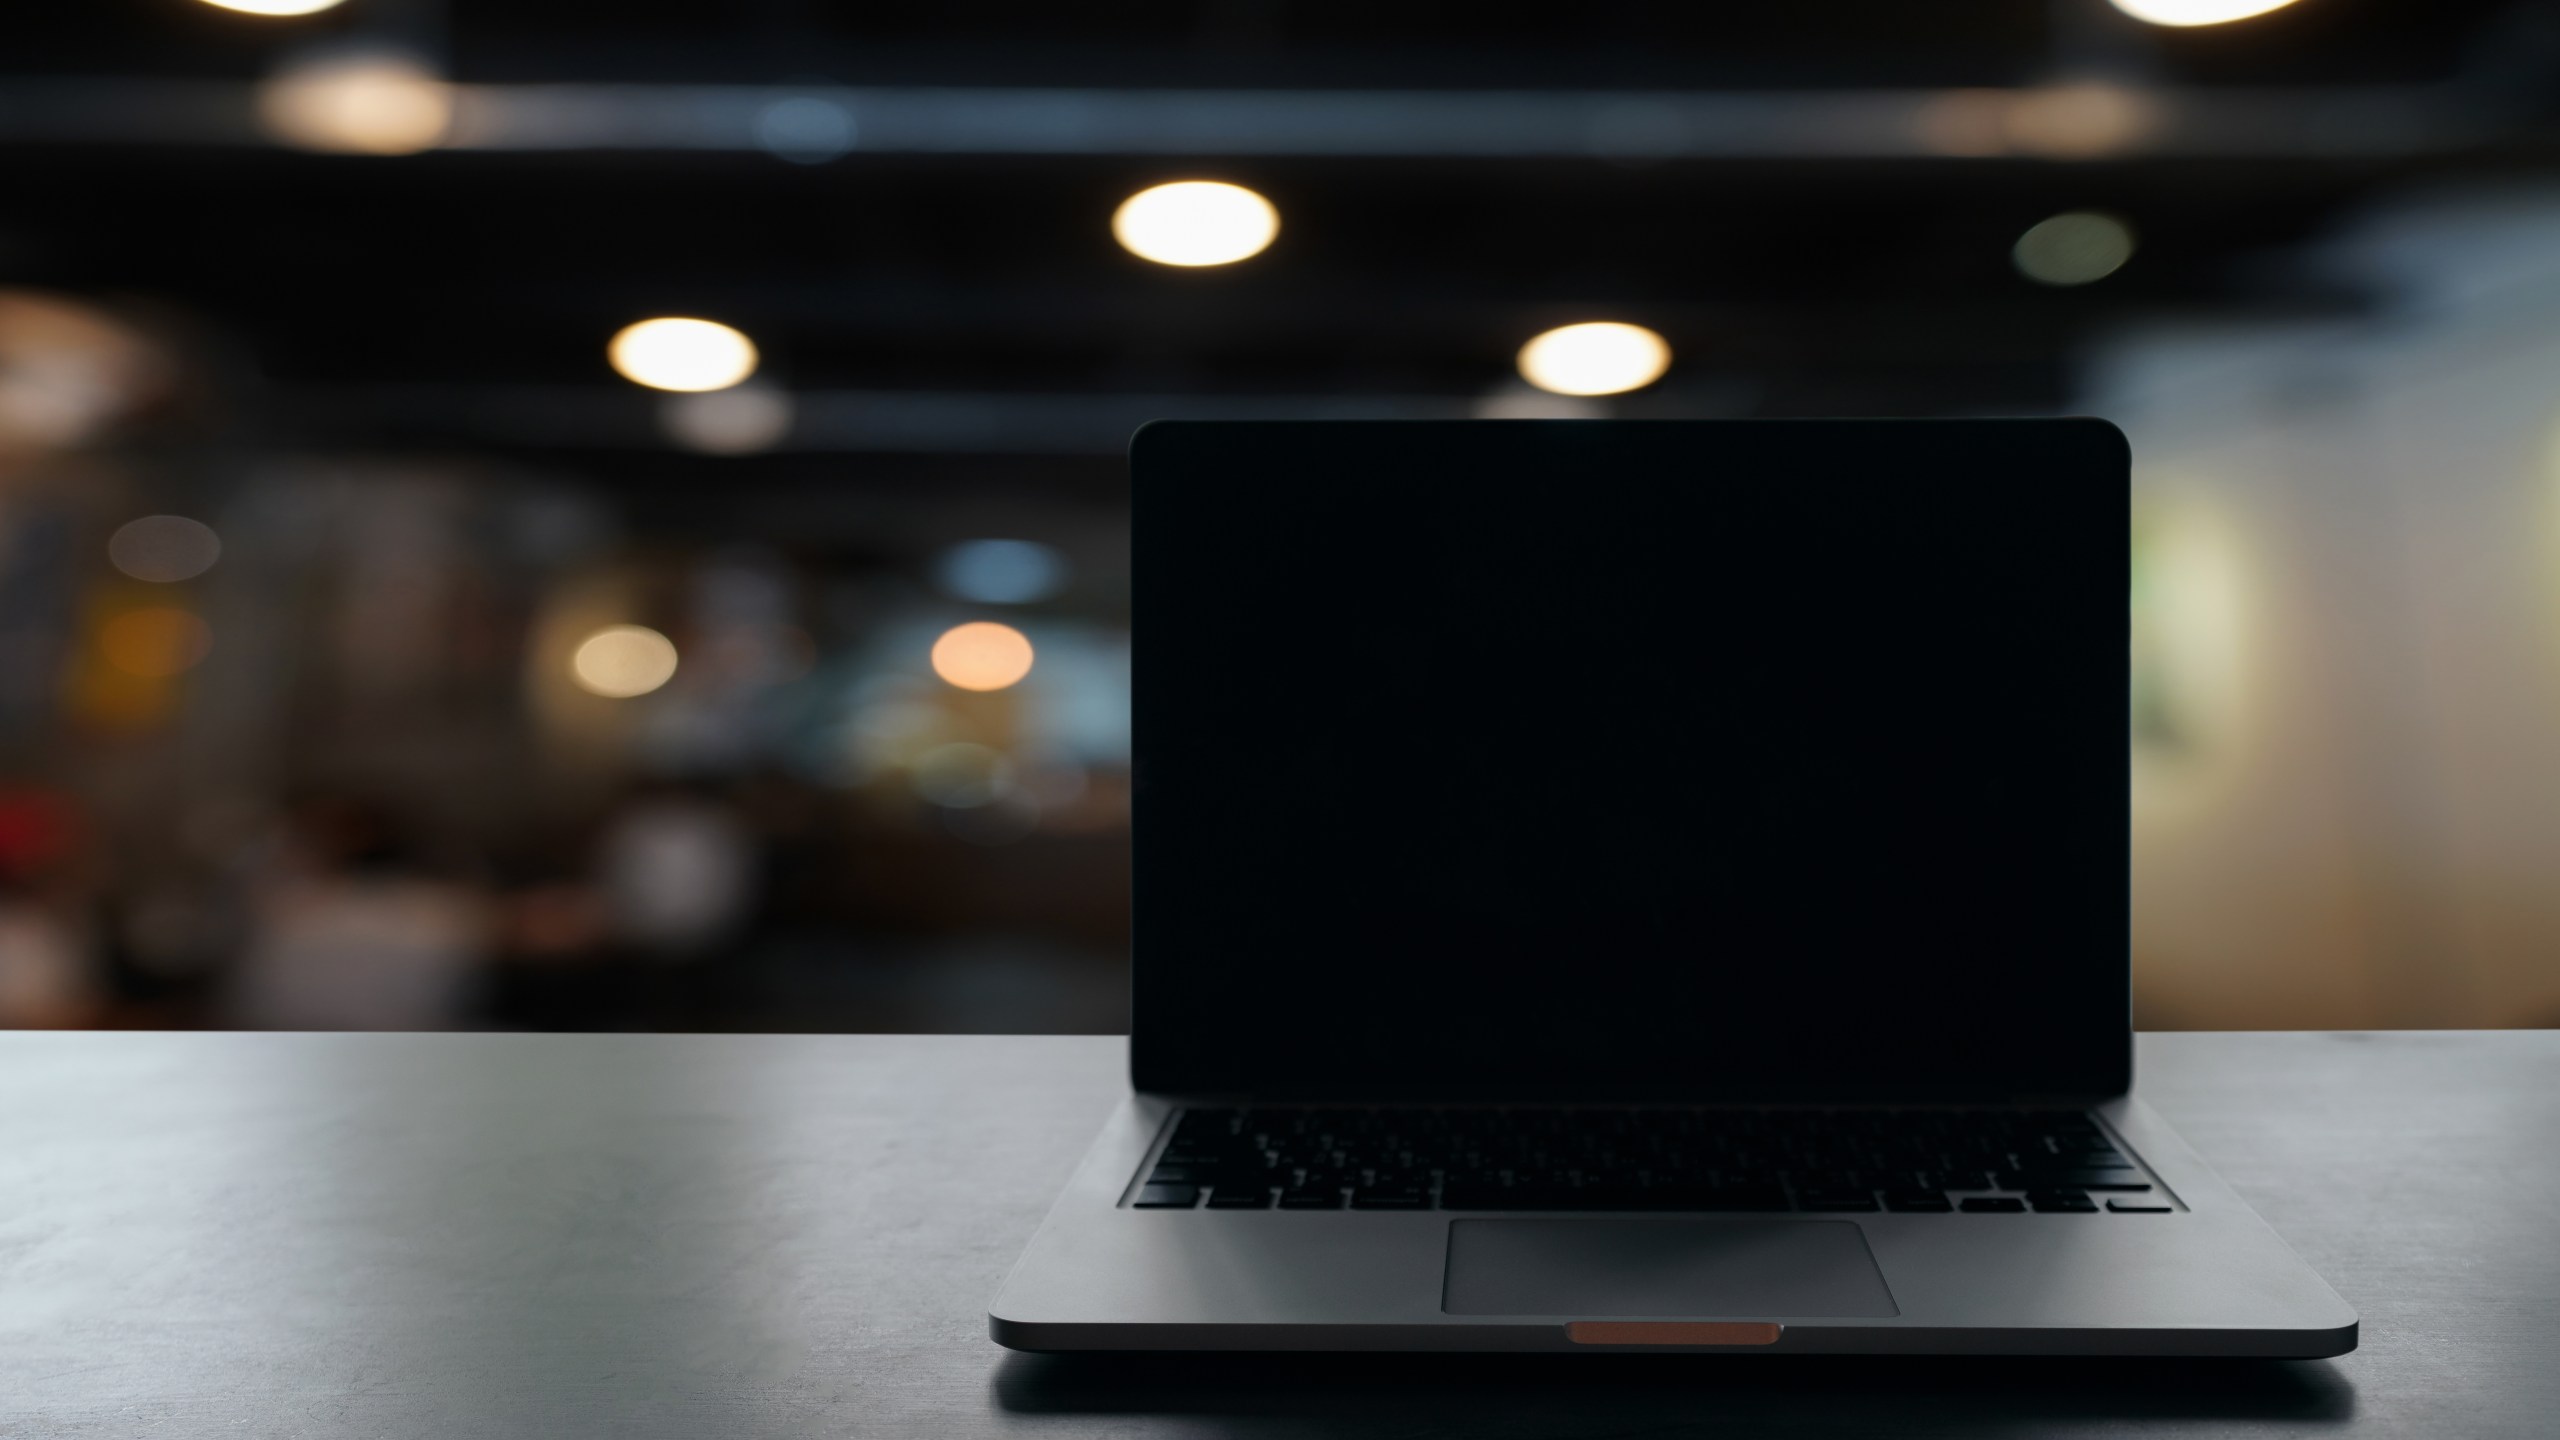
pixel 1643 1158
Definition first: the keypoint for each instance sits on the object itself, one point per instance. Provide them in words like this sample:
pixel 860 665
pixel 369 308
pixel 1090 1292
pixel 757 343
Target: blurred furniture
pixel 749 1236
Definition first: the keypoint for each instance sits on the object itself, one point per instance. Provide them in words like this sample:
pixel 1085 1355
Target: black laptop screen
pixel 1562 759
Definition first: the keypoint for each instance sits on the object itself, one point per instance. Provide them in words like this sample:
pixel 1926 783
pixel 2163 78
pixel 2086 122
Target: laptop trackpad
pixel 1740 1269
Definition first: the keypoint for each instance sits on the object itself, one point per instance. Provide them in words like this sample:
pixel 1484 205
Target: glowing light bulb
pixel 1195 223
pixel 673 353
pixel 276 7
pixel 360 103
pixel 621 661
pixel 1602 357
pixel 982 655
pixel 2073 248
pixel 2197 12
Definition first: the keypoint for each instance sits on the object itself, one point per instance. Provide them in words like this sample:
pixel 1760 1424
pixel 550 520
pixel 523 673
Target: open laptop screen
pixel 1627 760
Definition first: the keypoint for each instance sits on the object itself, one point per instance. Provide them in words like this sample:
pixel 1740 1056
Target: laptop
pixel 1629 886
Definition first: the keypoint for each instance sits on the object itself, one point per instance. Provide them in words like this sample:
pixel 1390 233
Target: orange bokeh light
pixel 982 655
pixel 155 641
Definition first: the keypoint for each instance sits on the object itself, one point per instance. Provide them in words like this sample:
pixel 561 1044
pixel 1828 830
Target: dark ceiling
pixel 1787 286
pixel 1262 42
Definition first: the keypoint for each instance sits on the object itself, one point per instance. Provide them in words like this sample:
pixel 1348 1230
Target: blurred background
pixel 556 514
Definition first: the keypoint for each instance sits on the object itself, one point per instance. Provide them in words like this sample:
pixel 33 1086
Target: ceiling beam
pixel 2086 121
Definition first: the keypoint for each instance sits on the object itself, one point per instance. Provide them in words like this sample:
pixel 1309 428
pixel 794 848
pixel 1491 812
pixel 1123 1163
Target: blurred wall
pixel 2346 796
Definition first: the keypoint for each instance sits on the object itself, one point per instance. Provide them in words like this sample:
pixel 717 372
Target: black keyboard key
pixel 1993 1205
pixel 2065 1203
pixel 2128 1207
pixel 1240 1197
pixel 1835 1200
pixel 1312 1197
pixel 1167 1197
pixel 1918 1201
pixel 1390 1197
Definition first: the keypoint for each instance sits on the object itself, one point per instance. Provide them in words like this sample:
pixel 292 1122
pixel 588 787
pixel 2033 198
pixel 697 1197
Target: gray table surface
pixel 750 1236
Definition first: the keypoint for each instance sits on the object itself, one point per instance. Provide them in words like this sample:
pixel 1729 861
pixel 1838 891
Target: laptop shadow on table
pixel 1555 1395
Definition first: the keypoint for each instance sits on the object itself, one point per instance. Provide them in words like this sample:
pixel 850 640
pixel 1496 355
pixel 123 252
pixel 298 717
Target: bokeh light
pixel 276 7
pixel 2073 248
pixel 155 641
pixel 2197 12
pixel 164 549
pixel 1001 572
pixel 982 655
pixel 621 661
pixel 683 354
pixel 358 102
pixel 1602 357
pixel 1195 222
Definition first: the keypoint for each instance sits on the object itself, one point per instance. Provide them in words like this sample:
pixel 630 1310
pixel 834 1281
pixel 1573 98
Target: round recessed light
pixel 276 7
pixel 1194 223
pixel 1601 357
pixel 2184 13
pixel 677 353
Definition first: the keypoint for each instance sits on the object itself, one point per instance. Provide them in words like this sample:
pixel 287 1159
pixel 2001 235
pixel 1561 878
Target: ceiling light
pixel 1195 222
pixel 620 661
pixel 680 354
pixel 2197 12
pixel 1602 357
pixel 276 7
pixel 2073 248
pixel 373 102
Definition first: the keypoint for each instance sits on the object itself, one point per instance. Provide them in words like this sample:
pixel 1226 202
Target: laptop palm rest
pixel 1663 1267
